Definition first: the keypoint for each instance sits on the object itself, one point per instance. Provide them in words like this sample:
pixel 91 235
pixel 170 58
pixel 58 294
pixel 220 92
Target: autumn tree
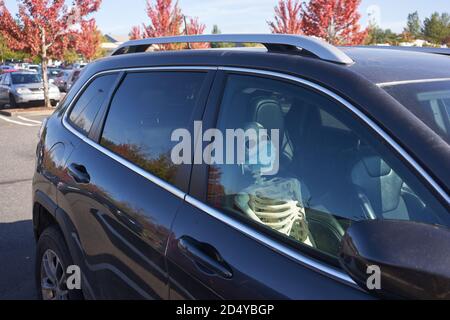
pixel 71 56
pixel 166 19
pixel 136 33
pixel 336 21
pixel 288 17
pixel 7 53
pixel 194 27
pixel 43 28
pixel 88 40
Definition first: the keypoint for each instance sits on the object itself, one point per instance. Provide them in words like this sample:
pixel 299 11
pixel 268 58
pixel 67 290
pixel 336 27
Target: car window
pixel 146 110
pixel 6 80
pixel 83 114
pixel 330 171
pixel 429 101
pixel 25 78
pixel 75 77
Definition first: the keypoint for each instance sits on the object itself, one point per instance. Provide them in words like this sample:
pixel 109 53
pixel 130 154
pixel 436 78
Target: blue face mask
pixel 262 156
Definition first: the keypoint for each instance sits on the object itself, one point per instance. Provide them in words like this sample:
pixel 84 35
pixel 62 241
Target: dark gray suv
pixel 134 190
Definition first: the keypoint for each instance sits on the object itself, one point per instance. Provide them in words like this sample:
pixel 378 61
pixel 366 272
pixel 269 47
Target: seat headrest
pixel 268 113
pixel 376 167
pixel 379 183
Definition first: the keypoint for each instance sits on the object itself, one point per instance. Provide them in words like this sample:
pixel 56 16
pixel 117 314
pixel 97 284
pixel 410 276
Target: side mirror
pixel 412 259
pixel 52 81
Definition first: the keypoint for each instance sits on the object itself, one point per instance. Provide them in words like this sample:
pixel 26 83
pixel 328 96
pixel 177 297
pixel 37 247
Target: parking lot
pixel 18 138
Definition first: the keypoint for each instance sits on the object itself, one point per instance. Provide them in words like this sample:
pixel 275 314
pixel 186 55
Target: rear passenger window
pixel 145 111
pixel 332 171
pixel 88 104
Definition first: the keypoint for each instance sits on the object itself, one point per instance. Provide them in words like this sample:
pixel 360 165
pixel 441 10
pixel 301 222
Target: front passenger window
pixel 332 170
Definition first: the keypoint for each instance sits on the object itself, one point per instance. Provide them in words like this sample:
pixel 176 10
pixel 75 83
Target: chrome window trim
pixel 262 238
pixel 397 83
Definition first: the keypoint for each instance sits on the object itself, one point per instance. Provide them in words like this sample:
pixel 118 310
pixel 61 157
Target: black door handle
pixel 79 173
pixel 205 256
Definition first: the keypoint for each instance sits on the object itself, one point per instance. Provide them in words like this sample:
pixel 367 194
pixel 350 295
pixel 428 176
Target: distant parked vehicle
pixel 61 79
pixel 20 88
pixel 66 78
pixel 73 78
pixel 53 74
pixel 34 67
pixel 79 65
pixel 5 69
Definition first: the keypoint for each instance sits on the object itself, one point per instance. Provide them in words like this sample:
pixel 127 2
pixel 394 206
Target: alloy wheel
pixel 53 277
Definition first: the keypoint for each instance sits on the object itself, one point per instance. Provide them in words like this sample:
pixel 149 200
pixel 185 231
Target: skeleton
pixel 276 203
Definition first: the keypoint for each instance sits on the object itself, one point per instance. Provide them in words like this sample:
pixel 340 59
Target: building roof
pixel 114 38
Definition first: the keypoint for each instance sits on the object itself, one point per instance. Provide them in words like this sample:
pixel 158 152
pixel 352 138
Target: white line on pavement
pixel 18 122
pixel 29 120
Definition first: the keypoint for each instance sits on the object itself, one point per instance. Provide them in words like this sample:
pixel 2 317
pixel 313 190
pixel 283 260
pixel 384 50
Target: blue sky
pixel 250 16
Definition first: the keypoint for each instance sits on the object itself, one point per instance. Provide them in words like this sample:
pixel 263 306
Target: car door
pixel 124 190
pixel 2 94
pixel 4 89
pixel 272 229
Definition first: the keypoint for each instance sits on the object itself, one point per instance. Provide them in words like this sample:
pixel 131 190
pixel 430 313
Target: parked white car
pixel 20 88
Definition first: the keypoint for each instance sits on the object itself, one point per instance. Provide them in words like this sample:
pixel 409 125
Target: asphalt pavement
pixel 18 139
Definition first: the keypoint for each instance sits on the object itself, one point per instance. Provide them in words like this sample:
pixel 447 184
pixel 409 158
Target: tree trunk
pixel 44 65
pixel 45 80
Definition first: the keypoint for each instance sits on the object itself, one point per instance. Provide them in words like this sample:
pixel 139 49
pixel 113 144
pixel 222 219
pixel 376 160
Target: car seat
pixel 379 189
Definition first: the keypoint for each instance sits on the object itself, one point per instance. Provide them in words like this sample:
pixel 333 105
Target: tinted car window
pixel 76 75
pixel 88 104
pixel 331 171
pixel 145 111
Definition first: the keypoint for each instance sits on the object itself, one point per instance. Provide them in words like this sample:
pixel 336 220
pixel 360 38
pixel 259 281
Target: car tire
pixel 52 244
pixel 12 102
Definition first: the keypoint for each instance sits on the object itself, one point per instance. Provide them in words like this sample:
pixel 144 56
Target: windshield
pixel 428 100
pixel 24 78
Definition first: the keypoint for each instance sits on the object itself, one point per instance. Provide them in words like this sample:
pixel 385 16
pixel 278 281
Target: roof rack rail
pixel 273 42
pixel 441 51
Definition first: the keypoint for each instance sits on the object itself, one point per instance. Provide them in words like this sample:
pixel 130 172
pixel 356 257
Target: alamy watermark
pixel 374 280
pixel 73 281
pixel 252 146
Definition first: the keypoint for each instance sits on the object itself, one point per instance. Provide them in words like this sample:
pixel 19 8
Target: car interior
pixel 333 175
